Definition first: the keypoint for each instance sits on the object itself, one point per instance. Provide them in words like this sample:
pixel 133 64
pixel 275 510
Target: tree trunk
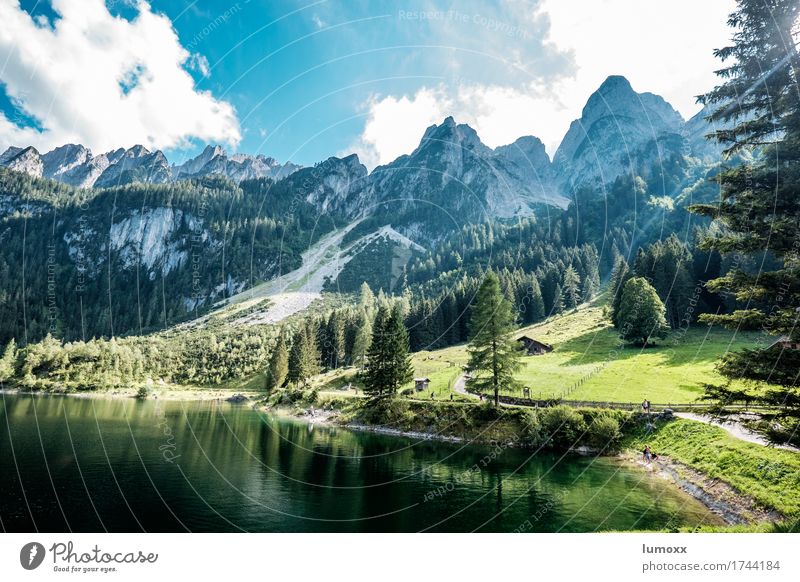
pixel 494 375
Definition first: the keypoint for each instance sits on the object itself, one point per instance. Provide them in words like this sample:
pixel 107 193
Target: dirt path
pixel 461 387
pixel 735 429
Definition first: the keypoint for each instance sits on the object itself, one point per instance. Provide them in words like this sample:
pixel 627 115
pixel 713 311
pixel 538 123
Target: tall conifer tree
pixel 757 108
pixel 494 355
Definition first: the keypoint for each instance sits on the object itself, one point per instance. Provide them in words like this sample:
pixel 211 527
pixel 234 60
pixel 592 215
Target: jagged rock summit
pixel 610 138
pixel 75 165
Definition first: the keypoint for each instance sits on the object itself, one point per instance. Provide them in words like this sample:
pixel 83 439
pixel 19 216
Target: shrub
pixel 142 393
pixel 530 428
pixel 386 411
pixel 562 426
pixel 311 396
pixel 604 433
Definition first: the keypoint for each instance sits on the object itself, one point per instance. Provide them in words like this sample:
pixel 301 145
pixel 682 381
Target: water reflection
pixel 123 465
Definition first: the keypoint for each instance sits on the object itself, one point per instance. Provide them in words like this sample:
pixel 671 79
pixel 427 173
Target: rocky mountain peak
pixel 64 158
pixel 137 151
pixel 616 124
pixel 26 160
pixel 451 135
pixel 9 154
pixel 527 159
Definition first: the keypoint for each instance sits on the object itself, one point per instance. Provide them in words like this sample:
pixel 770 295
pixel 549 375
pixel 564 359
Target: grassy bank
pixel 559 428
pixel 770 476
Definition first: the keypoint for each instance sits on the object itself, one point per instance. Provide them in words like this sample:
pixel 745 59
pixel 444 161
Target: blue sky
pixel 306 80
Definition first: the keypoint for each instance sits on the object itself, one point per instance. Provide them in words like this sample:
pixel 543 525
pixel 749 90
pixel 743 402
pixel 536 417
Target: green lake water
pixel 75 464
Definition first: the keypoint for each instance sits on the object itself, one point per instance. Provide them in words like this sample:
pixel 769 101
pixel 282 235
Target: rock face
pixel 337 185
pixel 696 131
pixel 136 164
pixel 215 161
pixel 152 239
pixel 452 178
pixel 27 161
pixel 75 165
pixel 616 125
pixel 64 159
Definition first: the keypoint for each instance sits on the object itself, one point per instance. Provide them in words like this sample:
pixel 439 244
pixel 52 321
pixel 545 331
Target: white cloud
pixel 660 48
pixel 199 63
pixel 70 77
pixel 318 22
pixel 395 124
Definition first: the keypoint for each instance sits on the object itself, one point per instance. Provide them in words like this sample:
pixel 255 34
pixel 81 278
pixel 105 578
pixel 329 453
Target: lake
pixel 89 464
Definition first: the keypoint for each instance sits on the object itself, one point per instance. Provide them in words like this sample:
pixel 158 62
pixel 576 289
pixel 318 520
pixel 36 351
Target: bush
pixel 562 427
pixel 530 428
pixel 387 411
pixel 604 433
pixel 311 396
pixel 142 393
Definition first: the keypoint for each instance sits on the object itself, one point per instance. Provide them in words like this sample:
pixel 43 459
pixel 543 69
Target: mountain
pixel 27 161
pixel 337 186
pixel 136 164
pixel 453 178
pixel 65 159
pixel 213 160
pixel 194 166
pixel 76 166
pixel 185 237
pixel 617 128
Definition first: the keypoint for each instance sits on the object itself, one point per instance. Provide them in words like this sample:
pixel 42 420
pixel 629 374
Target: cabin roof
pixel 525 338
pixel 780 340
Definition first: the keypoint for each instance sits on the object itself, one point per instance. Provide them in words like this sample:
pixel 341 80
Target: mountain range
pixel 76 165
pixel 629 163
pixel 619 131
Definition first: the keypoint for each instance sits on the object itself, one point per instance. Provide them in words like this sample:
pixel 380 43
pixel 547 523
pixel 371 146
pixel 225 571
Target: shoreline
pixel 171 395
pixel 719 497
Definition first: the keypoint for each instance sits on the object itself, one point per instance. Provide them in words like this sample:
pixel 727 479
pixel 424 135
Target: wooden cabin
pixel 784 343
pixel 534 347
pixel 421 384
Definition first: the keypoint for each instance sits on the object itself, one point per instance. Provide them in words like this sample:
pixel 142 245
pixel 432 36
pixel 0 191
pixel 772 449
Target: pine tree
pixel 558 300
pixel 8 361
pixel 571 288
pixel 388 363
pixel 641 313
pixel 758 105
pixel 366 298
pixel 312 355
pixel 494 355
pixel 336 337
pixel 619 276
pixel 304 356
pixel 363 338
pixel 278 364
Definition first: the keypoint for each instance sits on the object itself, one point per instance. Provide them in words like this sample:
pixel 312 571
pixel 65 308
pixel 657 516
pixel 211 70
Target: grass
pixel 442 367
pixel 589 362
pixel 771 476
